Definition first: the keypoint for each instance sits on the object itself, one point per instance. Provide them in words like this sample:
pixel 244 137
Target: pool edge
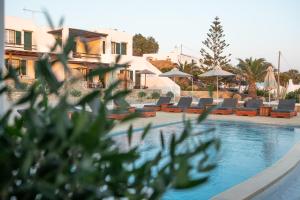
pixel 263 180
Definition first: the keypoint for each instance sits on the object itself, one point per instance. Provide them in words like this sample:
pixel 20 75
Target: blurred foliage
pixel 75 93
pixel 62 152
pixel 294 95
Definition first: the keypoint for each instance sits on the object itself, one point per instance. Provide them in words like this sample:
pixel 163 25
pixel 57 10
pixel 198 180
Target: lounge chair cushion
pixel 203 102
pixel 286 105
pixel 228 104
pixel 162 100
pixel 245 109
pixel 143 110
pixel 184 102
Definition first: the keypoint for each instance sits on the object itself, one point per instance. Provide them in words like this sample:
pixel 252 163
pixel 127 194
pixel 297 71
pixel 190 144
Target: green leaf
pixel 129 134
pixel 146 131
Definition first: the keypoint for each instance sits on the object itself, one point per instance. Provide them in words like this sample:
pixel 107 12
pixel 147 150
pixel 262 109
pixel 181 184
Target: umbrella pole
pixel 174 88
pixel 269 98
pixel 217 89
pixel 145 82
pixel 192 87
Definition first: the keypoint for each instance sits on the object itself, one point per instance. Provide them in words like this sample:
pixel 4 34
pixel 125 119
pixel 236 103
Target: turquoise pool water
pixel 246 149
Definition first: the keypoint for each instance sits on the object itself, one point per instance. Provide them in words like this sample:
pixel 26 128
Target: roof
pixel 161 64
pixel 79 32
pixel 88 34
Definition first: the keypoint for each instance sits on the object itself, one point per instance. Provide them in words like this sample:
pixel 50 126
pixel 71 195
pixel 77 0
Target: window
pixel 27 40
pixel 20 65
pixel 18 37
pixel 13 37
pixel 123 48
pixel 113 48
pixel 103 47
pixel 118 48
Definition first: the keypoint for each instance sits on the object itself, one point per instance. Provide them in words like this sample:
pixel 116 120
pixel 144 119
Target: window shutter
pixel 118 48
pixel 18 37
pixel 27 40
pixel 123 48
pixel 103 47
pixel 6 63
pixel 131 75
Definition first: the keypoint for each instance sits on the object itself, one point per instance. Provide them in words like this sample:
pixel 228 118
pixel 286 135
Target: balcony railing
pixel 20 46
pixel 94 85
pixel 85 55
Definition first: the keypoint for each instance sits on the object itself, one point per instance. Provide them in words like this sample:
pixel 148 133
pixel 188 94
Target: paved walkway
pixel 166 118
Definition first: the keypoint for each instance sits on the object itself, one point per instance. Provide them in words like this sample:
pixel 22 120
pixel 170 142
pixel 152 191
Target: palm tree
pixel 253 70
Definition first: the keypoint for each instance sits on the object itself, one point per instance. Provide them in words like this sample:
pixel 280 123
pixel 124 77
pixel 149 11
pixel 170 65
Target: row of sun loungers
pixel 286 108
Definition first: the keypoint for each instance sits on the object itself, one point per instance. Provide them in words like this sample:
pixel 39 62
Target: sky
pixel 253 28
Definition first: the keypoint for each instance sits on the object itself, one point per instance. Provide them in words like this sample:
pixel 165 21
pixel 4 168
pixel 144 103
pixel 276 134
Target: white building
pixel 175 56
pixel 291 87
pixel 25 42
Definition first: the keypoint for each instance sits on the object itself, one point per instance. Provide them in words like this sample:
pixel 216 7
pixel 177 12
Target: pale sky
pixel 257 28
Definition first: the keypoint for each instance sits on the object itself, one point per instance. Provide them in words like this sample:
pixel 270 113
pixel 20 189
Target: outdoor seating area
pixel 229 106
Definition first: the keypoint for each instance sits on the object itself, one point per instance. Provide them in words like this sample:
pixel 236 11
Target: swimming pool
pixel 246 149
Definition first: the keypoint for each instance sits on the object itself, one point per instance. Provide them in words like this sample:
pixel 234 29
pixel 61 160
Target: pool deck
pixel 166 118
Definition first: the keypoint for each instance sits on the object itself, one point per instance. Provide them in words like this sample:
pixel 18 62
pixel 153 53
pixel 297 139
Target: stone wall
pixel 203 94
pixel 133 97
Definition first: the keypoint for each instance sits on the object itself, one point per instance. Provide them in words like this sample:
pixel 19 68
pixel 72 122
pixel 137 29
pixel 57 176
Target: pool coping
pixel 263 180
pixel 154 126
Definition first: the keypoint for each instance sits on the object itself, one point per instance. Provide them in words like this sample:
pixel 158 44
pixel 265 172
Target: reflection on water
pixel 246 150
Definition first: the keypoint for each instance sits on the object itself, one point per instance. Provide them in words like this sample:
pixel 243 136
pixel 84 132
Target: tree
pixel 290 74
pixel 253 70
pixel 215 45
pixel 143 45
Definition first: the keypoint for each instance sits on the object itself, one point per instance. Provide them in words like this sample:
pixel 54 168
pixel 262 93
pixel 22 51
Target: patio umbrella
pixel 145 72
pixel 176 73
pixel 270 81
pixel 216 72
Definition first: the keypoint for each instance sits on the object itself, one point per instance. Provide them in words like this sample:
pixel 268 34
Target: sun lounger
pixel 182 105
pixel 201 107
pixel 162 102
pixel 122 103
pixel 251 108
pixel 227 108
pixel 285 109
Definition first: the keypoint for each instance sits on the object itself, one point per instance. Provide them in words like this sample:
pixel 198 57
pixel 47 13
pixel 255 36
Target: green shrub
pixel 170 94
pixel 142 94
pixel 47 154
pixel 294 95
pixel 75 93
pixel 262 93
pixel 155 95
